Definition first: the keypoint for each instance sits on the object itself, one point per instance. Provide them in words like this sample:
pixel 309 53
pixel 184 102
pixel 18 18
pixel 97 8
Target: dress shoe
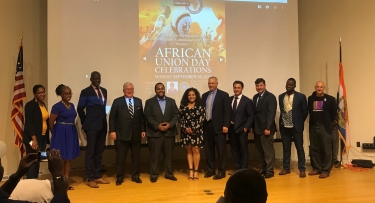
pixel 268 175
pixel 101 181
pixel 207 175
pixel 262 171
pixel 323 175
pixel 172 178
pixel 137 180
pixel 284 172
pixel 313 173
pixel 337 164
pixel 119 181
pixel 92 184
pixel 219 176
pixel 302 174
pixel 153 180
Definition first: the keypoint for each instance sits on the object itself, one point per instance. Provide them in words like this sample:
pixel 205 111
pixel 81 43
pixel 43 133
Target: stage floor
pixel 343 186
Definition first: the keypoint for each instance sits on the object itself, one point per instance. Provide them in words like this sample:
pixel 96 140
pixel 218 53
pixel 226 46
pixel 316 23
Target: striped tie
pixel 131 111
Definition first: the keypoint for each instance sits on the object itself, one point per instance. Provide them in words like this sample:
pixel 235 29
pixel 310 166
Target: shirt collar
pixel 214 92
pixel 95 87
pixel 163 99
pixel 238 97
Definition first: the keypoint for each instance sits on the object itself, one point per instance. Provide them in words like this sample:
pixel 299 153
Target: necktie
pixel 208 107
pixel 234 107
pixel 131 111
pixel 260 97
pixel 100 95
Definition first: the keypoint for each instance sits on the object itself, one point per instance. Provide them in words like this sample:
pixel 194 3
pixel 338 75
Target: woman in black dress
pixel 191 117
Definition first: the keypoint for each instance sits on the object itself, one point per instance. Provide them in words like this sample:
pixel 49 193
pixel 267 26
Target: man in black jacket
pixel 264 127
pixel 216 125
pixel 322 109
pixel 127 127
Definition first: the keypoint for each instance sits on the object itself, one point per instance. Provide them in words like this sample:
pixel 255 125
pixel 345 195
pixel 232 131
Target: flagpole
pixel 342 144
pixel 21 36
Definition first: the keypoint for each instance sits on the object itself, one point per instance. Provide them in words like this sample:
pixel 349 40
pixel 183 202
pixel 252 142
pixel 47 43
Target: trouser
pixel 238 145
pixel 265 152
pixel 320 149
pixel 165 145
pixel 122 148
pixel 212 140
pixel 94 152
pixel 288 135
pixel 33 172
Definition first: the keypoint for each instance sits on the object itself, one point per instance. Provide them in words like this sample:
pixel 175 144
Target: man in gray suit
pixel 127 127
pixel 264 127
pixel 161 115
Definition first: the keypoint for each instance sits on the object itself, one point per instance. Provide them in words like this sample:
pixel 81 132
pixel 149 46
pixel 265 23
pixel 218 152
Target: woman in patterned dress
pixel 191 117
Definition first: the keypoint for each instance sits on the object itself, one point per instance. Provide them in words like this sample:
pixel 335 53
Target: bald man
pixel 322 110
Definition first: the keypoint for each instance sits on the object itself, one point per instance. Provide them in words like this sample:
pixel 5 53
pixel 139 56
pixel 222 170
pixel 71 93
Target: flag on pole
pixel 19 95
pixel 342 110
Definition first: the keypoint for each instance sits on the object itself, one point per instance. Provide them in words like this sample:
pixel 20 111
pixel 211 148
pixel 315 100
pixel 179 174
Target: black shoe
pixel 119 181
pixel 153 180
pixel 268 175
pixel 172 178
pixel 137 180
pixel 262 171
pixel 207 175
pixel 219 176
pixel 337 164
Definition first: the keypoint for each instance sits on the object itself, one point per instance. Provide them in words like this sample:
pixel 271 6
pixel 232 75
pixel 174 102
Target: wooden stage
pixel 342 186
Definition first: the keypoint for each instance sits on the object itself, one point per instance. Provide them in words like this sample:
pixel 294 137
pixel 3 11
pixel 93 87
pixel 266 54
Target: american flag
pixel 19 95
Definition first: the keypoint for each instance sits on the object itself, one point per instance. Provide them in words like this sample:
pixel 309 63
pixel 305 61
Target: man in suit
pixel 322 109
pixel 93 99
pixel 293 113
pixel 264 127
pixel 217 122
pixel 161 115
pixel 241 123
pixel 126 127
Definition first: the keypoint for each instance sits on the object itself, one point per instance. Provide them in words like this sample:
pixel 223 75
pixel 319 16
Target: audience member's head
pixel 246 186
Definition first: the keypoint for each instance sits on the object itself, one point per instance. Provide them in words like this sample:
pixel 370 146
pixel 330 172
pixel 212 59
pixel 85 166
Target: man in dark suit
pixel 293 113
pixel 264 127
pixel 323 110
pixel 93 99
pixel 241 123
pixel 126 127
pixel 161 115
pixel 217 122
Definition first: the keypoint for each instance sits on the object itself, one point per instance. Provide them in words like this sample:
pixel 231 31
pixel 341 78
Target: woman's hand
pixel 34 144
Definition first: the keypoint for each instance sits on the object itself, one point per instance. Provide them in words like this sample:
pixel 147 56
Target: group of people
pixel 205 122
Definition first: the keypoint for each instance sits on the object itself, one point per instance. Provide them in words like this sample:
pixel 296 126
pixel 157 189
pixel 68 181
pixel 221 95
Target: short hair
pixel 259 80
pixel 292 79
pixel 36 87
pixel 185 100
pixel 127 84
pixel 213 77
pixel 94 73
pixel 59 89
pixel 159 83
pixel 246 186
pixel 238 82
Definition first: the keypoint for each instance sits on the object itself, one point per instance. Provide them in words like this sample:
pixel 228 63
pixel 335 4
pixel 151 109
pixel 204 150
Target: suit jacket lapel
pixel 260 100
pixel 157 103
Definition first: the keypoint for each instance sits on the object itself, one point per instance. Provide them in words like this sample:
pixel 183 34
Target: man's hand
pixel 55 163
pixel 25 164
pixel 113 135
pixel 267 132
pixel 225 129
pixel 167 126
pixel 245 130
pixel 143 134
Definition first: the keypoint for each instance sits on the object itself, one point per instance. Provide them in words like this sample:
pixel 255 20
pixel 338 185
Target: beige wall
pixel 30 17
pixel 321 24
